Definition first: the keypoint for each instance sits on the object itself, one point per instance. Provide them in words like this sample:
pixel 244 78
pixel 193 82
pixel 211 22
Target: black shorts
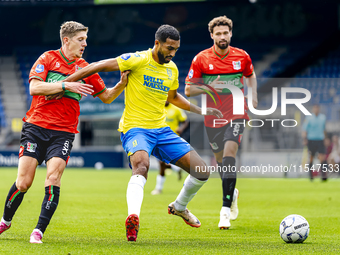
pixel 218 136
pixel 315 146
pixel 43 144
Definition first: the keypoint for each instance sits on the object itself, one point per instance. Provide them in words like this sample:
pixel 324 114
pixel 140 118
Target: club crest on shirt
pixel 211 67
pixel 77 68
pixel 237 65
pixel 40 68
pixel 169 72
pixel 57 65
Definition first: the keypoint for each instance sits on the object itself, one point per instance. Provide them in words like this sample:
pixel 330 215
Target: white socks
pixel 189 190
pixel 135 193
pixel 160 182
pixel 6 222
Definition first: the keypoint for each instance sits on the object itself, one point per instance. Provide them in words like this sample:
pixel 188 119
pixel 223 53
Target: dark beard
pixel 161 58
pixel 223 47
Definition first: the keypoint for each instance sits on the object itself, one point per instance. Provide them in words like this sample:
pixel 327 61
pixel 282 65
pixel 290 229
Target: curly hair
pixel 70 29
pixel 220 21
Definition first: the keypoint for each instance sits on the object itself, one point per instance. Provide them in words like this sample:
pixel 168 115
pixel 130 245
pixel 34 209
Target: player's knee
pixel 202 172
pixel 53 179
pixel 142 168
pixel 23 185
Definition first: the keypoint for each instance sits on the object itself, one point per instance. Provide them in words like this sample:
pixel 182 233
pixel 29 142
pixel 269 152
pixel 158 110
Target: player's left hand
pixel 212 111
pixel 55 96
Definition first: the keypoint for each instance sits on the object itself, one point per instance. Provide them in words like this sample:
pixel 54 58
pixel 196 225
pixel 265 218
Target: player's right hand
pixel 217 84
pixel 79 88
pixel 212 111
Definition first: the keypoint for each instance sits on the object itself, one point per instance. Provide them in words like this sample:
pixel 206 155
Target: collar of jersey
pixel 69 62
pixel 218 55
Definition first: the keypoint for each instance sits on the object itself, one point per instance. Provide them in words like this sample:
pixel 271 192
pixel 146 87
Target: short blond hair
pixel 70 29
pixel 220 21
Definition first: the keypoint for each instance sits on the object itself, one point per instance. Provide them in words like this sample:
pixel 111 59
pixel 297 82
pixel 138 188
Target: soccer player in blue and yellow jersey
pixel 152 81
pixel 177 120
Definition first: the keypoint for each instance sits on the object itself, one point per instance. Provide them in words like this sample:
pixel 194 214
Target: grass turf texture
pixel 92 211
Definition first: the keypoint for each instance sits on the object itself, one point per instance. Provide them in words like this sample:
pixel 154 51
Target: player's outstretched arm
pixel 38 87
pixel 195 89
pixel 252 84
pixel 181 102
pixel 112 93
pixel 107 65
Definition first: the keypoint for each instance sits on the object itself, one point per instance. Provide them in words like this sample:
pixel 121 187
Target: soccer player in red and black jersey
pixel 217 66
pixel 50 125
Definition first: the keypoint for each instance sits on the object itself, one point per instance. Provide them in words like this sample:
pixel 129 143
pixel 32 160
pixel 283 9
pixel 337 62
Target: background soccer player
pixel 50 125
pixel 177 120
pixel 314 133
pixel 218 65
pixel 152 81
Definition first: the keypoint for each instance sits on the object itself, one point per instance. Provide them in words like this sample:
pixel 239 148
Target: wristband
pixel 63 86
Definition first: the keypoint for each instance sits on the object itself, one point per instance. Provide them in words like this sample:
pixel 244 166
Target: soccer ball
pixel 294 229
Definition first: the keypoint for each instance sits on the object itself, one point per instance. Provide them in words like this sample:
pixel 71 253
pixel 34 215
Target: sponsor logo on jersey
pixel 66 146
pixel 134 143
pixel 31 147
pixel 43 56
pixel 191 73
pixel 40 68
pixel 57 65
pixel 155 83
pixel 237 65
pixel 211 67
pixel 125 56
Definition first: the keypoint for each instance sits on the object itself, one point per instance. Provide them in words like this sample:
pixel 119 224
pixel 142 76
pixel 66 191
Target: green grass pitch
pixel 92 211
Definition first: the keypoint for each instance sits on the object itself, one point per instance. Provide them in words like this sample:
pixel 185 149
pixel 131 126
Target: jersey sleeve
pixel 195 73
pixel 249 68
pixel 98 84
pixel 40 68
pixel 130 61
pixel 95 80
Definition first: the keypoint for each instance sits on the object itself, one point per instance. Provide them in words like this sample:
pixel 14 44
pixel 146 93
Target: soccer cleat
pixel 224 221
pixel 233 207
pixel 4 227
pixel 132 227
pixel 156 192
pixel 186 215
pixel 36 236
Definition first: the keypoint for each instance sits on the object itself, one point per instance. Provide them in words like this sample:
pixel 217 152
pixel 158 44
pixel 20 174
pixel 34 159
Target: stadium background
pixel 291 43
